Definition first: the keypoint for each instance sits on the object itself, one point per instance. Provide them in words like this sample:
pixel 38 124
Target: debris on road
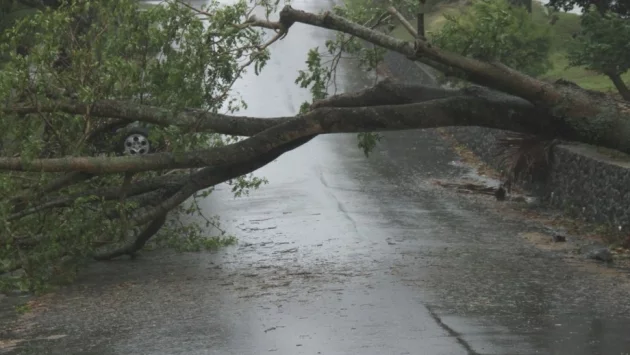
pixel 468 187
pixel 600 254
pixel 558 235
pixel 558 238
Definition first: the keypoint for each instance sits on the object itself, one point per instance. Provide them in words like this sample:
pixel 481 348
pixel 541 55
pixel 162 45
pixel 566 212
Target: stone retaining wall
pixel 583 181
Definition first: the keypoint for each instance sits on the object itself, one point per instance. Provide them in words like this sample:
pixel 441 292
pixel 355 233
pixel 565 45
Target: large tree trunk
pixel 594 118
pixel 387 106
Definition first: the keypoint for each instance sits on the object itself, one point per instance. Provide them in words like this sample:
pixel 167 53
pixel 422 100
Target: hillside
pixel 562 30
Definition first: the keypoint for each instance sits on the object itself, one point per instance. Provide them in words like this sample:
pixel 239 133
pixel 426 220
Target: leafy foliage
pixel 192 237
pixel 320 75
pixel 603 44
pixel 492 30
pixel 368 141
pixel 110 49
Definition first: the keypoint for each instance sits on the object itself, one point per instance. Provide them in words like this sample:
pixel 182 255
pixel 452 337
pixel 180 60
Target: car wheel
pixel 136 142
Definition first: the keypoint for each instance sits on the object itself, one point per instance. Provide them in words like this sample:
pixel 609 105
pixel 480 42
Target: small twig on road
pixel 468 187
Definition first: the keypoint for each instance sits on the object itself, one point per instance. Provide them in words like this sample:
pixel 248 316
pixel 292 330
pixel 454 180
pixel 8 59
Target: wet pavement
pixel 341 254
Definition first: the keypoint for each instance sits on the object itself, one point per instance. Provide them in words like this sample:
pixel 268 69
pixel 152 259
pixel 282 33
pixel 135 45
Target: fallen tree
pixel 51 203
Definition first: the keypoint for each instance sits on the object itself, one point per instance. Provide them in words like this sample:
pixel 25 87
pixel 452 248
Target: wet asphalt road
pixel 340 254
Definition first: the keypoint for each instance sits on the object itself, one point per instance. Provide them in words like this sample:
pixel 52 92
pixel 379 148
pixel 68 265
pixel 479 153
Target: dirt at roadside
pixel 399 68
pixel 577 235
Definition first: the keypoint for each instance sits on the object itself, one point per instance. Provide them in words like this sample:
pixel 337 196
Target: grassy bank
pixel 566 25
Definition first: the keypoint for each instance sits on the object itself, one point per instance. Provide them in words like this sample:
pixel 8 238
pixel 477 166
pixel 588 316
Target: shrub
pixel 493 30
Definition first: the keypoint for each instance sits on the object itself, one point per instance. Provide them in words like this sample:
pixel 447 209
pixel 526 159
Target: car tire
pixel 135 142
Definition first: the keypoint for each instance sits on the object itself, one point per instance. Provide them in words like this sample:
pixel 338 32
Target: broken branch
pixel 191 118
pixel 454 111
pixel 138 242
pixel 392 10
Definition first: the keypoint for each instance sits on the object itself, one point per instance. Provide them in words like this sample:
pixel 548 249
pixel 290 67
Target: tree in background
pixel 603 45
pixel 10 12
pixel 620 7
pixel 495 30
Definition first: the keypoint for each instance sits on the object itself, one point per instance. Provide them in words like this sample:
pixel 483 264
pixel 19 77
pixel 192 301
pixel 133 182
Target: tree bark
pixel 558 100
pixel 194 119
pixel 454 111
pixel 398 107
pixel 420 18
pixel 213 176
pixel 621 86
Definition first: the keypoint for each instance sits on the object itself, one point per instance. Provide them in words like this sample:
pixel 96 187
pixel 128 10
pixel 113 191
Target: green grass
pixel 583 77
pixel 562 31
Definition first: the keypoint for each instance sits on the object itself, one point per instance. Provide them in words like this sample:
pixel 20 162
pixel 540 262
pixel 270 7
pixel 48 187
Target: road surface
pixel 340 254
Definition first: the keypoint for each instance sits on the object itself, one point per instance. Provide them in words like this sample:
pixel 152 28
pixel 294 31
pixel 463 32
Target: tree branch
pixel 504 112
pixel 144 201
pixel 196 119
pixel 412 31
pixel 453 111
pixel 137 243
pixel 471 107
pixel 494 75
pixel 388 92
pixel 108 193
pixel 20 201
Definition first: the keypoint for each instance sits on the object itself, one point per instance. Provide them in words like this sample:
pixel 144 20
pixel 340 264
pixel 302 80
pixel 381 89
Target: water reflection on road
pixel 379 245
